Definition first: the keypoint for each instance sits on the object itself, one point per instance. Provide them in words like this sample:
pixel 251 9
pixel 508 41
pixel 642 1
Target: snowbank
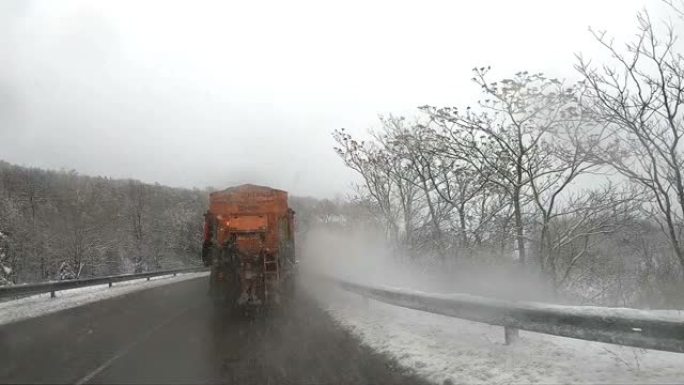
pixel 41 304
pixel 449 350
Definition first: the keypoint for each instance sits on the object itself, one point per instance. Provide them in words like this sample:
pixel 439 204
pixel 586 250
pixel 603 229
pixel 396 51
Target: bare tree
pixel 562 158
pixel 410 146
pixel 583 222
pixel 137 194
pixel 677 6
pixel 505 139
pixel 384 180
pixel 638 96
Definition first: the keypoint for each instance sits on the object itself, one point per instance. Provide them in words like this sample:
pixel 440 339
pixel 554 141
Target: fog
pixel 198 94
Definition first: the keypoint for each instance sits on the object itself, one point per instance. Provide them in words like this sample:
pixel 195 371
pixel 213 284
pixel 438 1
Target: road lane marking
pixel 130 346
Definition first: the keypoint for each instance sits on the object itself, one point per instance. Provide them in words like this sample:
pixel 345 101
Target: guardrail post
pixel 52 294
pixel 148 278
pixel 510 335
pixel 110 283
pixel 174 274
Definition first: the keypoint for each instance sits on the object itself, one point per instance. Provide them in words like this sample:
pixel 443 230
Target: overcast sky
pixel 198 94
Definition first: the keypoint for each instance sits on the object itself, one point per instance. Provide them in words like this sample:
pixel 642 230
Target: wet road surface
pixel 173 334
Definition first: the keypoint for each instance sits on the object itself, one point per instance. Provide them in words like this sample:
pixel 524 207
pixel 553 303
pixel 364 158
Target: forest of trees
pixel 579 183
pixel 61 225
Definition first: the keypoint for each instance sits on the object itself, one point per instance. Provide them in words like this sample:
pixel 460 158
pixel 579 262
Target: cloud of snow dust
pixel 365 257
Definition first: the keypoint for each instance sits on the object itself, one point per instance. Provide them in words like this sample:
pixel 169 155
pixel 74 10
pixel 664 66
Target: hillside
pixel 59 224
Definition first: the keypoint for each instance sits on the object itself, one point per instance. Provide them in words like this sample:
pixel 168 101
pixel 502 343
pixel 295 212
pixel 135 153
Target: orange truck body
pixel 249 243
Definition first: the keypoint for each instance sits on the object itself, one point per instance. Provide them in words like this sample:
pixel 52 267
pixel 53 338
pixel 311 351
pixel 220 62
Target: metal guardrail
pixel 615 326
pixel 54 286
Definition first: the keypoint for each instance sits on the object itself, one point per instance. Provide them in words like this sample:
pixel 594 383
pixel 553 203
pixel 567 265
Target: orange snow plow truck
pixel 249 245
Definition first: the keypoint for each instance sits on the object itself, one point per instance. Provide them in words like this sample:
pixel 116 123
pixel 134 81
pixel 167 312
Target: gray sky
pixel 218 93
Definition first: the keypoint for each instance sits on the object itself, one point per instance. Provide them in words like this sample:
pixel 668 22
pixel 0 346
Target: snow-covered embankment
pixel 450 350
pixel 41 304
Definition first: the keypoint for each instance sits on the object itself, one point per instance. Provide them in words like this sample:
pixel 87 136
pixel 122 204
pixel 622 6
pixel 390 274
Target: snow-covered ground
pixel 40 304
pixel 448 350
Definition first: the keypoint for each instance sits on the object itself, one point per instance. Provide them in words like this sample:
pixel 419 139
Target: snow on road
pixel 41 304
pixel 448 350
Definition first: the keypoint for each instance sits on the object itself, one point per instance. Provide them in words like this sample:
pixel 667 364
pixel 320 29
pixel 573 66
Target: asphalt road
pixel 173 334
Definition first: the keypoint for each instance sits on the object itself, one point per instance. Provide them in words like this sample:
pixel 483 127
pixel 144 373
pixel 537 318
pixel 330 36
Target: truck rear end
pixel 249 244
